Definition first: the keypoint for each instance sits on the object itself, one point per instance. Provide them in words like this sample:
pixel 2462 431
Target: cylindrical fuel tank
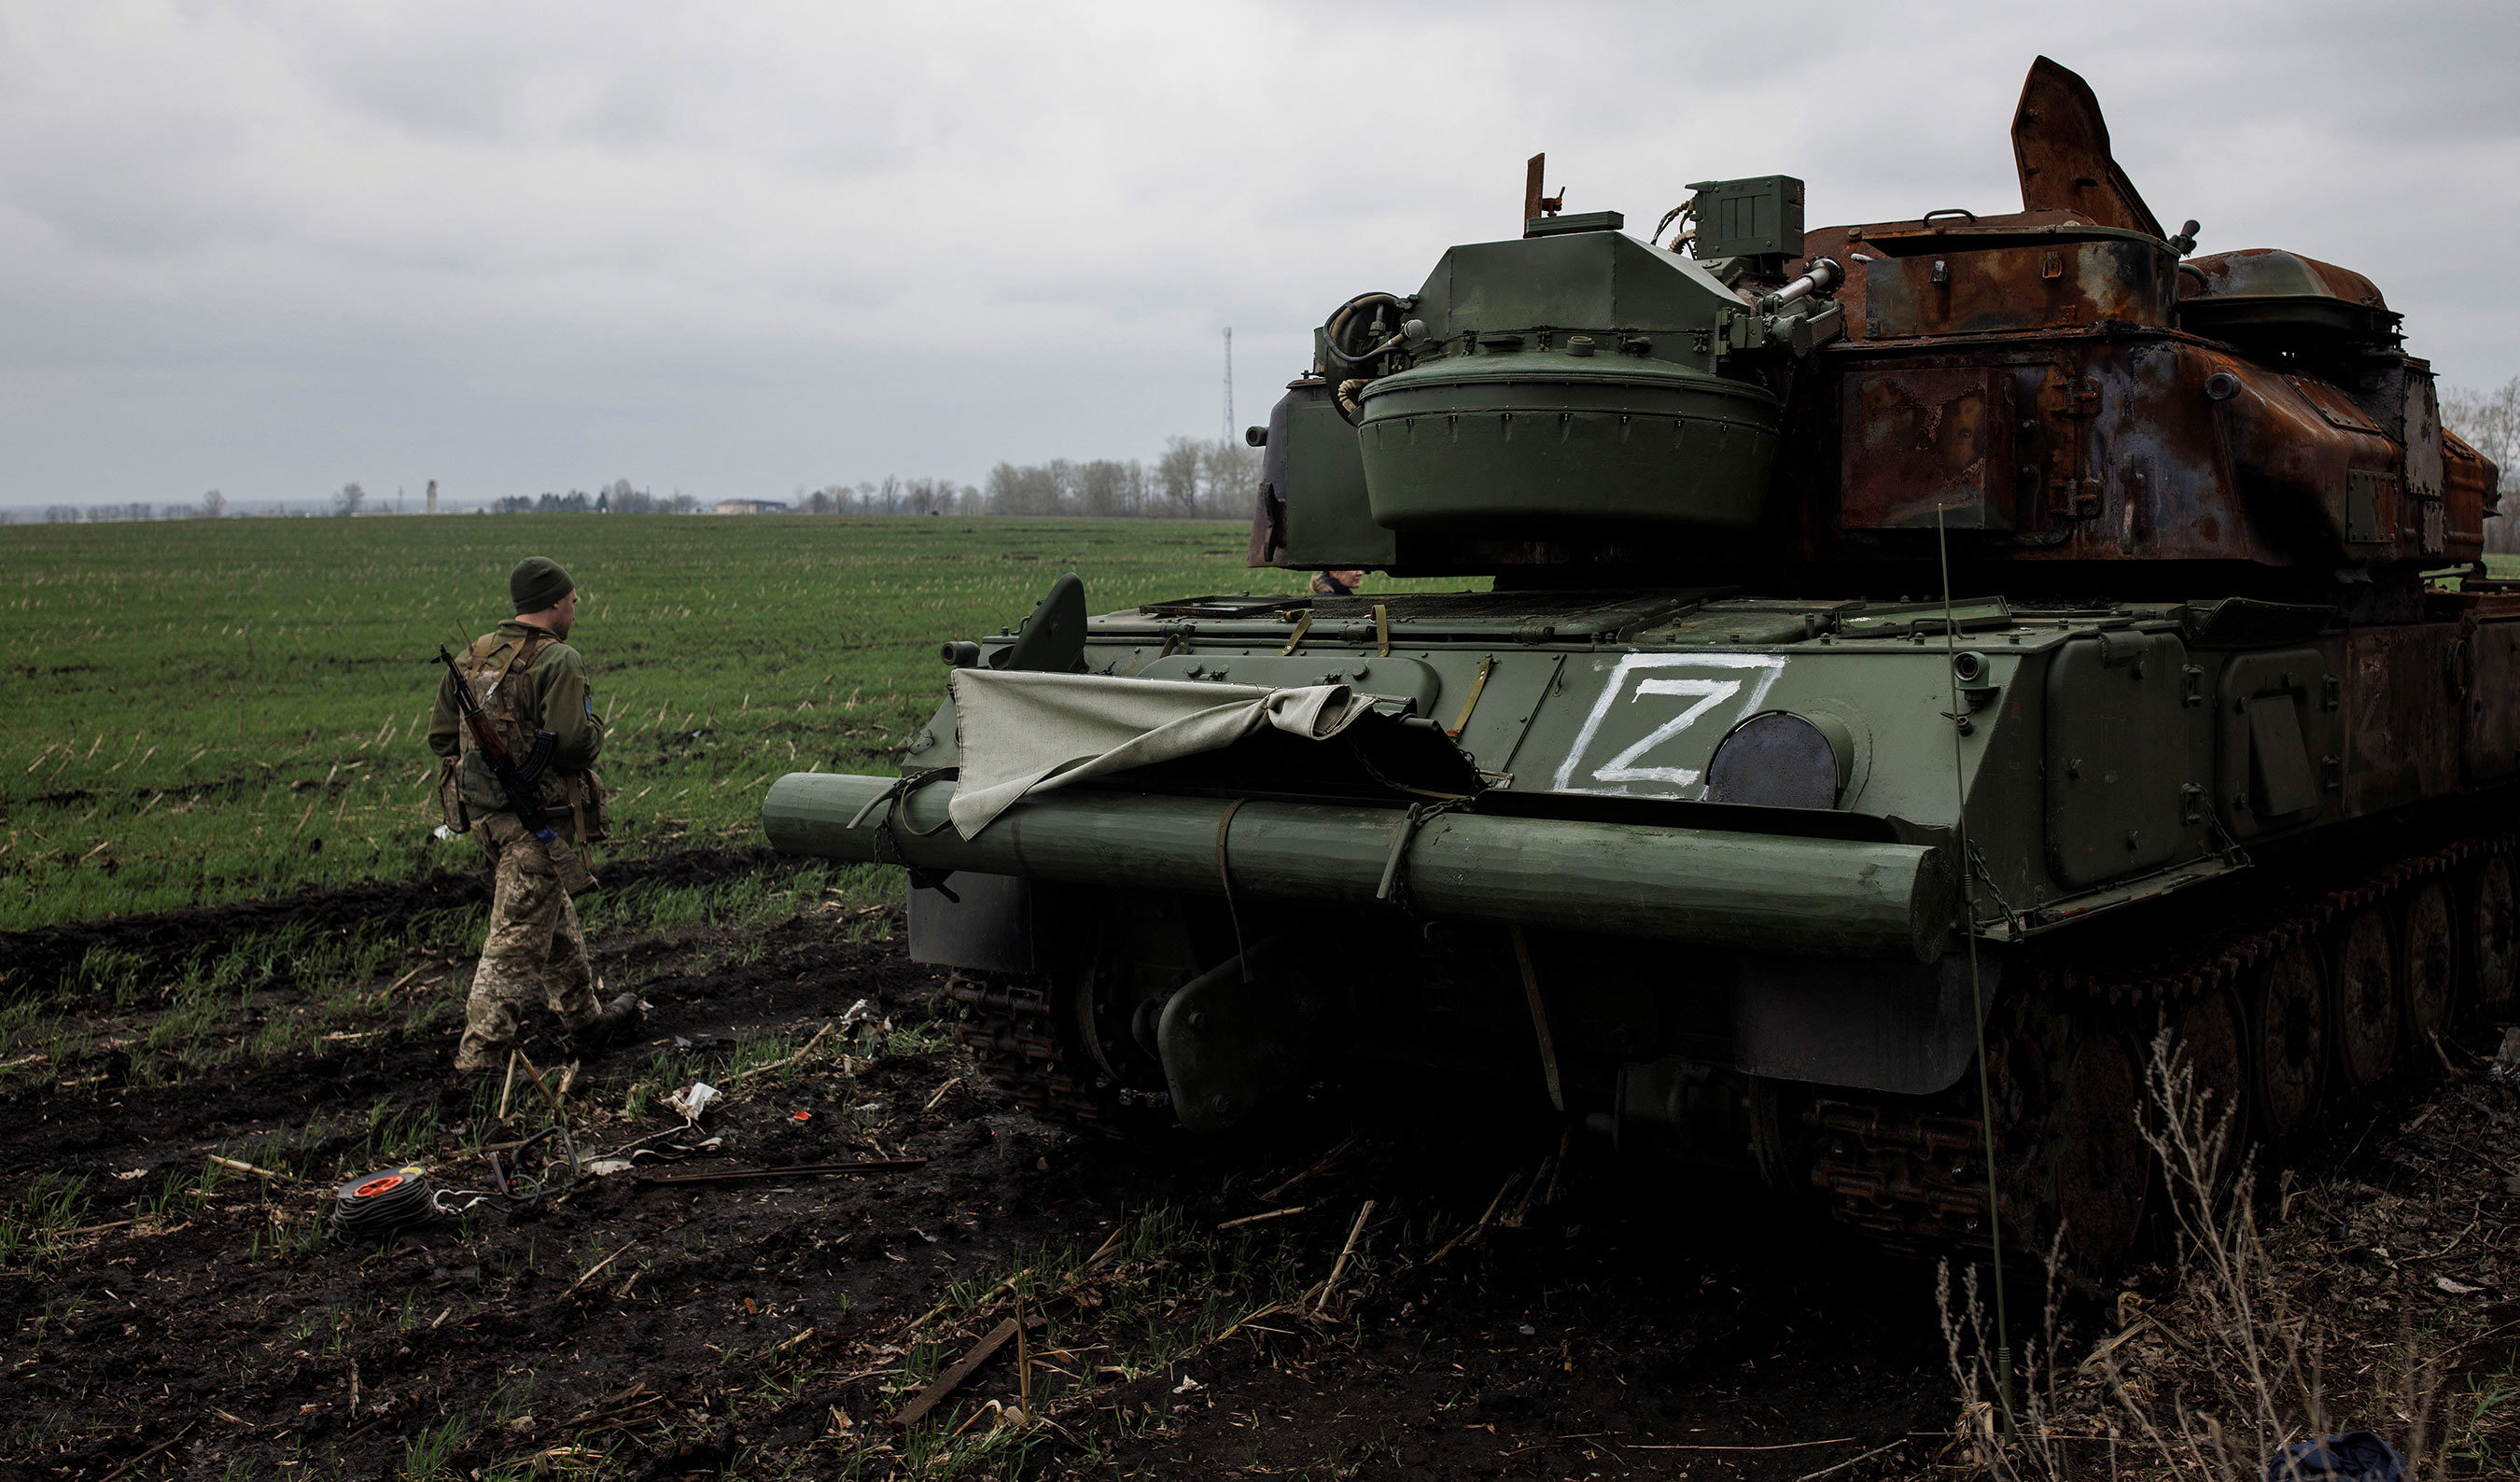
pixel 1831 897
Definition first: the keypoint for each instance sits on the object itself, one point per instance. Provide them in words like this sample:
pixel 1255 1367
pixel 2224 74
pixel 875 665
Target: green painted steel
pixel 1576 380
pixel 1830 897
pixel 1528 439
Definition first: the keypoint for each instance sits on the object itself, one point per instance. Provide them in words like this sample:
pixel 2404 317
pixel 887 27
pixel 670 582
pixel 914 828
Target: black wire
pixel 1330 329
pixel 546 1181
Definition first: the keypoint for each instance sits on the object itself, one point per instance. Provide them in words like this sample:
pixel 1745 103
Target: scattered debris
pixel 692 1100
pixel 792 1171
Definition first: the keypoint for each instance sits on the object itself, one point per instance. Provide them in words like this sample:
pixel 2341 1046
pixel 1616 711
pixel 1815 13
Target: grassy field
pixel 208 711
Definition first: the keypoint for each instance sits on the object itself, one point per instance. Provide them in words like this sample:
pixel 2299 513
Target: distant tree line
pixel 615 498
pixel 1191 479
pixel 894 496
pixel 210 506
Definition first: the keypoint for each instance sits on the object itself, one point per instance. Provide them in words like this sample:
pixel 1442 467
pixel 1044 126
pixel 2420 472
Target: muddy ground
pixel 1505 1311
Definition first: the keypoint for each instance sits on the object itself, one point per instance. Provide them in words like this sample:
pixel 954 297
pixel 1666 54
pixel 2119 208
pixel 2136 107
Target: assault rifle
pixel 517 779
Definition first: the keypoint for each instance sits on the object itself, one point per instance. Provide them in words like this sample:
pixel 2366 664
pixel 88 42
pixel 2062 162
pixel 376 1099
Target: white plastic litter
pixel 859 1012
pixel 692 1100
pixel 601 1167
pixel 441 832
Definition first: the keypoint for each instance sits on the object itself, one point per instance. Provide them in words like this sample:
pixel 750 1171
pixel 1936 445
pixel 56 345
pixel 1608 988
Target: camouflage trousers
pixel 535 949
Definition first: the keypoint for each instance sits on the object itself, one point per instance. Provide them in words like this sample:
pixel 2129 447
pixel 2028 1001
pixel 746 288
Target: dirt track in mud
pixel 1608 1320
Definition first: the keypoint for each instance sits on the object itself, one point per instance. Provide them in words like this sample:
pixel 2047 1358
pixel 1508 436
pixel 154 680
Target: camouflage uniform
pixel 528 680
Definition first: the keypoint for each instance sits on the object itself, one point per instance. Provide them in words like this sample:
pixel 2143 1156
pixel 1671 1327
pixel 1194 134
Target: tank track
pixel 1011 1025
pixel 1911 1175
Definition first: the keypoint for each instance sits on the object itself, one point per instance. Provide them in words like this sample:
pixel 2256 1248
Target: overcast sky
pixel 731 250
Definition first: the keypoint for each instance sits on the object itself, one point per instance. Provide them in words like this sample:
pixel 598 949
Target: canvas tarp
pixel 1022 732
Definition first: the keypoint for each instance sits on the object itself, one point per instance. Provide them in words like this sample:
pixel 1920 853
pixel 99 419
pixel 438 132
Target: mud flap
pixel 1877 1027
pixel 988 930
pixel 1228 1045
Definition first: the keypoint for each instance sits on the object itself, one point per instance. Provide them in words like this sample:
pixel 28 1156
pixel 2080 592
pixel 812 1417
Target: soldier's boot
pixel 615 1022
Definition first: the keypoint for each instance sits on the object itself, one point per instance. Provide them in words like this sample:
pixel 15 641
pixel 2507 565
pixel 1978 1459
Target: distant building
pixel 749 507
pixel 432 496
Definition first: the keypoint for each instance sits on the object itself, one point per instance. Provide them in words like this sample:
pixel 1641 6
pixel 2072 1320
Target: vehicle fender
pixel 1875 1025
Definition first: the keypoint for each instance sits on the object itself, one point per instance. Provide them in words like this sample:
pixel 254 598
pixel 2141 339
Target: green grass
pixel 213 710
pixel 37 1233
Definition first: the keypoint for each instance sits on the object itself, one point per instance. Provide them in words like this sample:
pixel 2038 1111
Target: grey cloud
pixel 273 247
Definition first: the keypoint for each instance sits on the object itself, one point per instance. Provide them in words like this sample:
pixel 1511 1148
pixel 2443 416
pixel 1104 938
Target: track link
pixel 1911 1175
pixel 1013 1029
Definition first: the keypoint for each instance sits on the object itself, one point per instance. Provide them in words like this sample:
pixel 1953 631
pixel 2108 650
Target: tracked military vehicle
pixel 2010 631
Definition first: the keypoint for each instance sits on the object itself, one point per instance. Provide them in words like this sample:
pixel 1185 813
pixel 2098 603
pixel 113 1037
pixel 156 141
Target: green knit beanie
pixel 537 583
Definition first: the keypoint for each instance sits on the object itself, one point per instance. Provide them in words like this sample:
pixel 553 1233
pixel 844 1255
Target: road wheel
pixel 2493 920
pixel 2428 969
pixel 2213 1046
pixel 2103 1169
pixel 2286 1000
pixel 2366 999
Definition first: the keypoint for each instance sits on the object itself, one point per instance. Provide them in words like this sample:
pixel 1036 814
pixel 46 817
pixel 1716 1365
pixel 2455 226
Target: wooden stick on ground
pixel 1274 1214
pixel 152 1451
pixel 781 1064
pixel 961 1370
pixel 506 1084
pixel 260 1173
pixel 598 1267
pixel 1481 1223
pixel 1327 1158
pixel 557 1109
pixel 1339 1266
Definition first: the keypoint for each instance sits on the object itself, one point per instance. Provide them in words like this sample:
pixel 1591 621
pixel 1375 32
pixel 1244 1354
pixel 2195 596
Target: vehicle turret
pixel 2058 388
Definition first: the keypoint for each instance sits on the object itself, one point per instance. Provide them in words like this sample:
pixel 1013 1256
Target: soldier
pixel 527 679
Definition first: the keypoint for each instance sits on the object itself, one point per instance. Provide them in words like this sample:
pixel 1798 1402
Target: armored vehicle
pixel 1966 641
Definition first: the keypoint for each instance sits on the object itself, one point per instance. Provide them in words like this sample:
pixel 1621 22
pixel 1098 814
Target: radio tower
pixel 1229 384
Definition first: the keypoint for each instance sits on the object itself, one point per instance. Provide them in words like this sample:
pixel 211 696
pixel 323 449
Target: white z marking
pixel 1711 693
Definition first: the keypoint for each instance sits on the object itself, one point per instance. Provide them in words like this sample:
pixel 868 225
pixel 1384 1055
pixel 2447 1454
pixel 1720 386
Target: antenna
pixel 1959 718
pixel 1228 434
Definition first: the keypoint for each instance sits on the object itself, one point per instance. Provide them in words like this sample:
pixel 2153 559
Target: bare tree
pixel 347 500
pixel 1177 476
pixel 213 504
pixel 2489 420
pixel 1229 473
